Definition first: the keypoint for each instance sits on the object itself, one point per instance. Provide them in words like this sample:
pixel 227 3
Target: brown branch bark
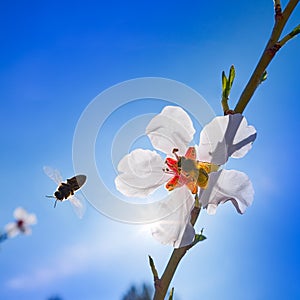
pixel 161 289
pixel 267 56
pixel 162 284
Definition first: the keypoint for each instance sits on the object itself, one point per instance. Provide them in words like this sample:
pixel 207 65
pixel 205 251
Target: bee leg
pixel 55 203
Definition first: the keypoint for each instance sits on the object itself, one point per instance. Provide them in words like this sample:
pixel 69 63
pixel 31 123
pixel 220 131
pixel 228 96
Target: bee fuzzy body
pixel 65 190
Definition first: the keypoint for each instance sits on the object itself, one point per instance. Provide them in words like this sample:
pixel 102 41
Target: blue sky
pixel 56 57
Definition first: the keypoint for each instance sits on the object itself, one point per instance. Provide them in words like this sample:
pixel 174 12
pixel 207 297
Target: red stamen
pixel 174 152
pixel 172 183
pixel 20 225
pixel 172 164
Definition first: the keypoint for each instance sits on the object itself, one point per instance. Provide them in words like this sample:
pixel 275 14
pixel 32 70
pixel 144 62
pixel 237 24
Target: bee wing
pixel 78 206
pixel 77 181
pixel 53 174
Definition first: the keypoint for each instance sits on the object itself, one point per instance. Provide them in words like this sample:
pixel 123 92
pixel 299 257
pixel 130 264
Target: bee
pixel 65 190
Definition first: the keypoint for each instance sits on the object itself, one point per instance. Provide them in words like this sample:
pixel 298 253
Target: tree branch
pixel 270 50
pixel 161 289
pixel 3 237
pixel 289 36
pixel 162 284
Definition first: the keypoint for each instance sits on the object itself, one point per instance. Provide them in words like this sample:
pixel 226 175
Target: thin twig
pixel 277 8
pixel 270 50
pixel 3 237
pixel 177 255
pixel 289 36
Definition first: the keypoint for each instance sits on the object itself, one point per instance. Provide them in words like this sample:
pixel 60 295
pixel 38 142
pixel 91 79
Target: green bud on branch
pixel 226 87
pixel 231 77
pixel 199 238
pixel 263 76
pixel 171 294
pixel 289 36
pixel 153 269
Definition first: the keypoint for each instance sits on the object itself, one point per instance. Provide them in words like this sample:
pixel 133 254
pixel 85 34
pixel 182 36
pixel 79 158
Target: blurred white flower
pixel 22 223
pixel 190 168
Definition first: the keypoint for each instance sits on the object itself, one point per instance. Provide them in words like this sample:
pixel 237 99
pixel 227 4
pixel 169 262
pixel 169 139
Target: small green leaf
pixel 200 237
pixel 295 31
pixel 227 82
pixel 226 87
pixel 171 294
pixel 224 82
pixel 231 76
pixel 152 265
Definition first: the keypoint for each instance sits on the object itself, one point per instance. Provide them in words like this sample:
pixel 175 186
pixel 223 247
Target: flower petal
pixel 27 230
pixel 12 230
pixel 227 185
pixel 170 129
pixel 141 173
pixel 175 229
pixel 30 219
pixel 20 213
pixel 224 137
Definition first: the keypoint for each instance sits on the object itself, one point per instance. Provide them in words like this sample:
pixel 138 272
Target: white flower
pixel 188 170
pixel 22 223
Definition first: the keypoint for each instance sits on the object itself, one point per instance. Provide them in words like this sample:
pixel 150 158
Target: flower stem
pixel 3 237
pixel 177 254
pixel 270 50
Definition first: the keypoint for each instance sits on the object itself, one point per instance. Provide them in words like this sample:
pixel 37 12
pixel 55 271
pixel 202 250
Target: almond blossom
pixel 188 170
pixel 22 223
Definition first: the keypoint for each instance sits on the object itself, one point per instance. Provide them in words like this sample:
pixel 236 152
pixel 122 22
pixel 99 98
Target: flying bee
pixel 65 190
